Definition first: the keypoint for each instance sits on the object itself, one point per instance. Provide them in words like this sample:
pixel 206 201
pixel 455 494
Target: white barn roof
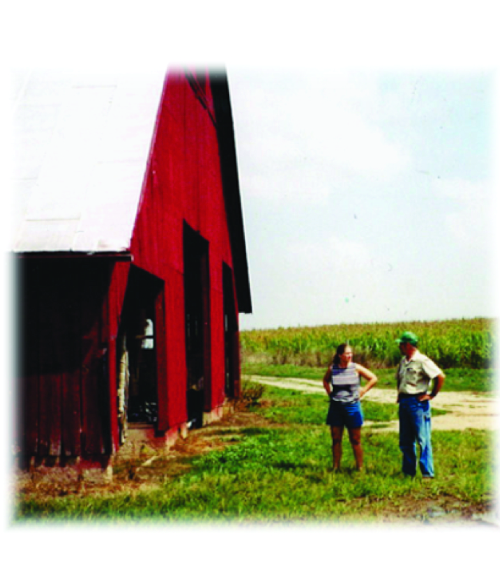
pixel 82 144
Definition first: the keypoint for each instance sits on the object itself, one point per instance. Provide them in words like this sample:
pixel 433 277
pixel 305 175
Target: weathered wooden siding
pixel 184 185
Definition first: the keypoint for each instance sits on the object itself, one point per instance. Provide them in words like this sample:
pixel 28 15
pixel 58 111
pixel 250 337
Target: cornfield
pixel 458 343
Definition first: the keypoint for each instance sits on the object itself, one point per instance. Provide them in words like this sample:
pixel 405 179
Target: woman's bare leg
pixel 355 439
pixel 337 433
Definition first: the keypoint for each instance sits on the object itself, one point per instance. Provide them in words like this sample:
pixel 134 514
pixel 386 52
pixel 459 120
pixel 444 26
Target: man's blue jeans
pixel 415 427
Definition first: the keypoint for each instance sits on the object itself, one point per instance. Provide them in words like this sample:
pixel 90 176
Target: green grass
pixel 281 473
pixel 457 379
pixel 293 406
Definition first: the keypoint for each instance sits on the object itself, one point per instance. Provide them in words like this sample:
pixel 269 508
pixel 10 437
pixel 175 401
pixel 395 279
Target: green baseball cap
pixel 408 337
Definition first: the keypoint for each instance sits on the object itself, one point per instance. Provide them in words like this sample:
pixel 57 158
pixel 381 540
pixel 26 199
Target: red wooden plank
pixel 237 363
pixel 176 349
pixel 217 353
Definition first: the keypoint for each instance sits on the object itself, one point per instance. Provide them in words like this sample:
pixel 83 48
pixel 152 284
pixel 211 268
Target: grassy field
pixel 293 406
pixel 459 343
pixel 274 466
pixel 457 379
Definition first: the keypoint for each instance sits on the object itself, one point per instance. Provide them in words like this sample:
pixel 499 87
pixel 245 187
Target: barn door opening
pixel 230 333
pixel 137 351
pixel 197 318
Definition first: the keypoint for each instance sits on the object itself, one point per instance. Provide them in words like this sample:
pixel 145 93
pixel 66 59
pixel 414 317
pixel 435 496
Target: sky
pixel 365 153
pixel 367 194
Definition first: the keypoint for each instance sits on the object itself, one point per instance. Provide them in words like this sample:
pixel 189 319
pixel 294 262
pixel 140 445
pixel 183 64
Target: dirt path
pixel 465 409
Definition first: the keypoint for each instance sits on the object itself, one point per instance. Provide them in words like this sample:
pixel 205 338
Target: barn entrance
pixel 137 351
pixel 230 333
pixel 197 318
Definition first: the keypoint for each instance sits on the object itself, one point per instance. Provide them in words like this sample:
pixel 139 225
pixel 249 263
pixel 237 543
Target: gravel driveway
pixel 466 410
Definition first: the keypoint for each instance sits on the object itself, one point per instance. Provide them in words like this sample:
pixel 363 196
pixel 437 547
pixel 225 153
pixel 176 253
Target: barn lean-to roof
pixel 83 142
pixel 83 147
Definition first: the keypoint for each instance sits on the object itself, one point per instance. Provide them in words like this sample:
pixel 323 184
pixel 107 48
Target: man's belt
pixel 401 395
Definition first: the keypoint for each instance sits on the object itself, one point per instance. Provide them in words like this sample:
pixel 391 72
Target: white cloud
pixel 334 266
pixel 305 134
pixel 323 151
pixel 470 223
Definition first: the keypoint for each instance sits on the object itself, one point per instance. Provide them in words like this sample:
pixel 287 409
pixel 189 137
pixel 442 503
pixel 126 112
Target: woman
pixel 342 384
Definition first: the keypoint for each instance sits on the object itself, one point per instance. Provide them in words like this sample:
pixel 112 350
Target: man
pixel 414 376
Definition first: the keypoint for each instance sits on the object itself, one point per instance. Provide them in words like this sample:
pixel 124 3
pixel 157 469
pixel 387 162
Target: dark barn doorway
pixel 137 351
pixel 230 333
pixel 197 317
pixel 63 357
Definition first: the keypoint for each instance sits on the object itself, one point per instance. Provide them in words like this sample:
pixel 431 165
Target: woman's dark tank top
pixel 345 384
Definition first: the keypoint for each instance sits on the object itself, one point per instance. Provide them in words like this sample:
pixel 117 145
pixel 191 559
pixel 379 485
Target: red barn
pixel 132 264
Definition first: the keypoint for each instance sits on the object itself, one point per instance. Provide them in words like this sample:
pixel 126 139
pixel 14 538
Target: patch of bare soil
pixel 137 467
pixel 438 510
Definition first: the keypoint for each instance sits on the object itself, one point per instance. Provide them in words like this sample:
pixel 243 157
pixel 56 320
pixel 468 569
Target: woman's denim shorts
pixel 348 415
